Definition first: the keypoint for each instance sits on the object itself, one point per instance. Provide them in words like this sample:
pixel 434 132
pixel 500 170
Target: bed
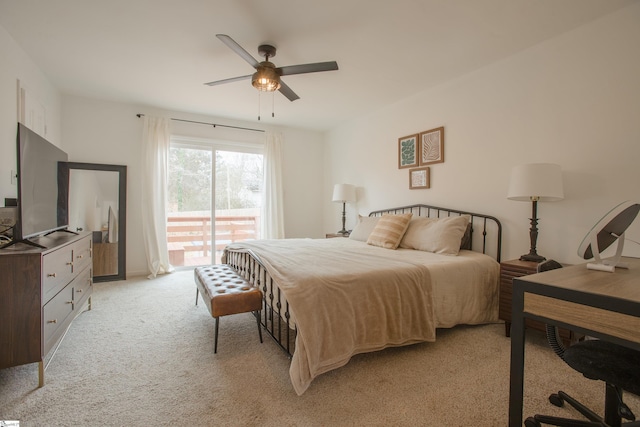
pixel 326 300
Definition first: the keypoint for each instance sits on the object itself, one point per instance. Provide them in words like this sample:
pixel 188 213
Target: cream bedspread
pixel 348 297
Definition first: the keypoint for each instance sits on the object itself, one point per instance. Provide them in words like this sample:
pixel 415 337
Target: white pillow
pixel 389 230
pixel 438 235
pixel 363 228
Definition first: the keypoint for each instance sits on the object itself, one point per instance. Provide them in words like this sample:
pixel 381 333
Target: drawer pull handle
pixel 80 256
pixel 78 290
pixel 69 302
pixel 51 275
pixel 52 321
pixel 70 263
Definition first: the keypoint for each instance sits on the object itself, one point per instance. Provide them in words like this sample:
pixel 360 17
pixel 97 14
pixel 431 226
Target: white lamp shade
pixel 536 181
pixel 344 193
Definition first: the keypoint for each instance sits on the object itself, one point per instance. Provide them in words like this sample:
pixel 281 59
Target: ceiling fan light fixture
pixel 267 76
pixel 266 79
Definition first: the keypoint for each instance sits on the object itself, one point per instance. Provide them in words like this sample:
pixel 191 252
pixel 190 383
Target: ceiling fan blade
pixel 286 91
pixel 232 79
pixel 308 68
pixel 238 49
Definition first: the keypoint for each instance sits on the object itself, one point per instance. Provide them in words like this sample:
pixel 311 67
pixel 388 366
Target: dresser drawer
pixel 82 287
pixel 56 317
pixel 506 294
pixel 57 271
pixel 81 254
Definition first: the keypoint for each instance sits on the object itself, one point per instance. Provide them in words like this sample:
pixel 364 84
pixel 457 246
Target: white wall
pixel 572 100
pixel 16 65
pixel 106 132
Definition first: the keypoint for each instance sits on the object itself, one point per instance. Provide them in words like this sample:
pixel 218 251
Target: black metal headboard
pixel 489 239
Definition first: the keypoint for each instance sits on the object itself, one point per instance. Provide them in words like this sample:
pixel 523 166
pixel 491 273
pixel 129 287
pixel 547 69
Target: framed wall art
pixel 431 146
pixel 408 151
pixel 419 178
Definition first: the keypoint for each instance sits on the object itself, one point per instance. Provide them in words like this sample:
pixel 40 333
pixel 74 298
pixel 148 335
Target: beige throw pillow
pixel 363 228
pixel 438 235
pixel 389 230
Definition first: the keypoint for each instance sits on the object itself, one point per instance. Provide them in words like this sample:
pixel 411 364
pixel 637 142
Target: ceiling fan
pixel 267 75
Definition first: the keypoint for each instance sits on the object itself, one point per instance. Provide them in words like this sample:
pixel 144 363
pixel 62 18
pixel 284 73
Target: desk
pixel 595 303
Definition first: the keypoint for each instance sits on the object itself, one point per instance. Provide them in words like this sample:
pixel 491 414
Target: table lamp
pixel 535 182
pixel 344 193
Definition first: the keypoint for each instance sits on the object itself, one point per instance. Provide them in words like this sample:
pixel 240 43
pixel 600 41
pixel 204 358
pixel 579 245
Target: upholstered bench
pixel 225 292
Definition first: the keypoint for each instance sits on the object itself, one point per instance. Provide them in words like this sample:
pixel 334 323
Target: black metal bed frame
pixel 489 225
pixel 275 314
pixel 276 317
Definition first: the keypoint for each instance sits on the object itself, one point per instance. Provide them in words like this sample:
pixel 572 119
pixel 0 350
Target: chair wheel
pixel 556 400
pixel 531 422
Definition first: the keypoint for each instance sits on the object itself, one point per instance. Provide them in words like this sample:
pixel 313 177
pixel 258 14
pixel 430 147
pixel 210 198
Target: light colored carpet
pixel 144 356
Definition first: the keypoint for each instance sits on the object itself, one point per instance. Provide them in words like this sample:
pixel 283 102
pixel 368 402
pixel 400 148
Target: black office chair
pixel 616 365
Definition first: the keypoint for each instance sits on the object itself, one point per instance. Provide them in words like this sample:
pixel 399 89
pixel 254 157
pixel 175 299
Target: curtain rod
pixel 210 124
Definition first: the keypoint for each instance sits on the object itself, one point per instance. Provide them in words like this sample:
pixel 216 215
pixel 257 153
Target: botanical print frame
pixel 431 146
pixel 419 178
pixel 408 151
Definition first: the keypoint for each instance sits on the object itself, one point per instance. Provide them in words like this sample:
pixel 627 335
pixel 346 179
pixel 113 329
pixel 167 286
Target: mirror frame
pixel 122 214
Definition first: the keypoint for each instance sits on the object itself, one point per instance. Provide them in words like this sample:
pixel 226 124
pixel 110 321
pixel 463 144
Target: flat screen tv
pixel 42 186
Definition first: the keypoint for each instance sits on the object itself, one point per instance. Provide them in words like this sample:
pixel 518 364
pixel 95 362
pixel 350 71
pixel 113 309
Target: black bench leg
pixel 197 293
pixel 215 342
pixel 257 314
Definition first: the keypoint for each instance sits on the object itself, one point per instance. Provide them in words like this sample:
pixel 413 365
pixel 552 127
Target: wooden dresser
pixel 41 292
pixel 508 271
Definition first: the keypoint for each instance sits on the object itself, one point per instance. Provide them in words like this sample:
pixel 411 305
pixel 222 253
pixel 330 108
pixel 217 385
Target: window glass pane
pixel 189 206
pixel 238 197
pixel 238 180
pixel 189 180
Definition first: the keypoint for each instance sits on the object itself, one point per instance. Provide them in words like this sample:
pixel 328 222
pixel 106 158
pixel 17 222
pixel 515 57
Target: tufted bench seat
pixel 225 292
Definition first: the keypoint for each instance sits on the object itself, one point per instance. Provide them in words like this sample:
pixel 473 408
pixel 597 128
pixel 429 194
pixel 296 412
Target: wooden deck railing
pixel 193 234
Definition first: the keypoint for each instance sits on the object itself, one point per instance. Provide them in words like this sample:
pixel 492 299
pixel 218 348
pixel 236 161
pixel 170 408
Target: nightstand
pixel 508 271
pixel 332 235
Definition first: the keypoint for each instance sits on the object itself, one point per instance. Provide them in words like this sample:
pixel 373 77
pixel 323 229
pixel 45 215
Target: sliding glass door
pixel 209 180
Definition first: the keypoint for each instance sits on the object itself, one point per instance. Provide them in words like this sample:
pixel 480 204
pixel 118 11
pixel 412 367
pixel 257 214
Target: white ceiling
pixel 160 52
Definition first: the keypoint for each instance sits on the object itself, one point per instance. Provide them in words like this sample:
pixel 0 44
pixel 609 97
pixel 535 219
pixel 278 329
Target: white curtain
pixel 155 154
pixel 272 205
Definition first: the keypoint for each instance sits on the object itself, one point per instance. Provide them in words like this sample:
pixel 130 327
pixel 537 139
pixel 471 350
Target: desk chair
pixel 616 365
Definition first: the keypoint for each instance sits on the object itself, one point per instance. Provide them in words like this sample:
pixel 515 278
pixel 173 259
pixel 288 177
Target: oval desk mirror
pixel 606 231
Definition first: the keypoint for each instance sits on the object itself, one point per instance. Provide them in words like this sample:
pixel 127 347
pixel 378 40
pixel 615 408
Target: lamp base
pixel 532 257
pixel 533 235
pixel 343 232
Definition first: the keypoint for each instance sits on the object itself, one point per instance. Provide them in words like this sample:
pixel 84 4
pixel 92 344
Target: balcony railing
pixel 189 237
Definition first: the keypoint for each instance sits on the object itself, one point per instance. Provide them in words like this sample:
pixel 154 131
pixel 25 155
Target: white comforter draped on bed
pixel 348 297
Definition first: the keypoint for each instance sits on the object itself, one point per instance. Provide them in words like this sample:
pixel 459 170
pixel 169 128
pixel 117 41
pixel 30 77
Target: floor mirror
pixel 98 203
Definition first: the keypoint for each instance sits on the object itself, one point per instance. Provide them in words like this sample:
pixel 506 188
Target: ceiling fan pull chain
pixel 258 105
pixel 273 104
